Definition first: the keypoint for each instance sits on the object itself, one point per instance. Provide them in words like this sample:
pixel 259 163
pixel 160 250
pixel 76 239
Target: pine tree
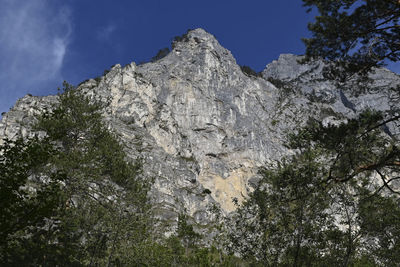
pixel 314 208
pixel 106 195
pixel 356 34
pixel 31 198
pixel 71 198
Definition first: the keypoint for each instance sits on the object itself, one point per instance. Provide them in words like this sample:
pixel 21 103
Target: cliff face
pixel 200 123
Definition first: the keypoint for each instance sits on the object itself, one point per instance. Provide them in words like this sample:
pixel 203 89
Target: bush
pixel 249 71
pixel 181 38
pixel 160 54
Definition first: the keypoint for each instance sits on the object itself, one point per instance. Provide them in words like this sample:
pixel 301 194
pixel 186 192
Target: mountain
pixel 203 125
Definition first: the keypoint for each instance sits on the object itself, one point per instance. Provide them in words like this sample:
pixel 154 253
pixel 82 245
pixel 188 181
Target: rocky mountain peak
pixel 288 67
pixel 195 54
pixel 199 36
pixel 198 40
pixel 203 127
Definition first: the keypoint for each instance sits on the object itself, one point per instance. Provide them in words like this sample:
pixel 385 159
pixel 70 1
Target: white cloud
pixel 34 37
pixel 104 34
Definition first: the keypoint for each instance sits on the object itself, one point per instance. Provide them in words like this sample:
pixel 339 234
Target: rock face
pixel 203 127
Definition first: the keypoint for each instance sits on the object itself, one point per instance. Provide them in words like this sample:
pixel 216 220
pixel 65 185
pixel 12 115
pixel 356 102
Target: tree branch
pixel 386 183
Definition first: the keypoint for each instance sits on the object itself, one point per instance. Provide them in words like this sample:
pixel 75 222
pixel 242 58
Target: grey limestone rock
pixel 203 127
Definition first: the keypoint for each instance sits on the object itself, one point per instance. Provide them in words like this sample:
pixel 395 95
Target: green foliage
pixel 185 232
pixel 108 197
pixel 181 38
pixel 73 199
pixel 160 54
pixel 30 197
pixel 91 207
pixel 354 149
pixel 172 253
pixel 249 71
pixel 285 88
pixel 277 83
pixel 87 145
pixel 98 79
pixel 323 206
pixel 206 191
pixel 285 215
pixel 335 201
pixel 358 34
pixel 380 223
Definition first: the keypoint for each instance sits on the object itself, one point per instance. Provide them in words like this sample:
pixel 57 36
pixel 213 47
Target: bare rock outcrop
pixel 203 127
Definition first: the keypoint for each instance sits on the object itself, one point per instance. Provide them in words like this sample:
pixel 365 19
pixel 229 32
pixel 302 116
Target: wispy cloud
pixel 104 33
pixel 34 37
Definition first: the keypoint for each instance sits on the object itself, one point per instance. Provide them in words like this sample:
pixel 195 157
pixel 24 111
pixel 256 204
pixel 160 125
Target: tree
pixel 361 157
pixel 160 54
pixel 286 221
pixel 335 201
pixel 31 196
pixel 71 198
pixel 356 34
pixel 314 208
pixel 357 150
pixel 106 195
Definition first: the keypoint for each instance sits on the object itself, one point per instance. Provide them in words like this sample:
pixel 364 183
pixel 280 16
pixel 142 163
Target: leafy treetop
pixel 357 34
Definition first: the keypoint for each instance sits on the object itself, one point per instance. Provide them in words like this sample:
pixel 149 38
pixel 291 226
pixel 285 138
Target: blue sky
pixel 43 42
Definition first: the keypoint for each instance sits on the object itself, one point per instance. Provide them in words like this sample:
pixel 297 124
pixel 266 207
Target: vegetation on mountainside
pixel 74 198
pixel 250 72
pixel 26 206
pixel 160 54
pixel 356 34
pixel 83 203
pixel 336 200
pixel 314 208
pixel 180 38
